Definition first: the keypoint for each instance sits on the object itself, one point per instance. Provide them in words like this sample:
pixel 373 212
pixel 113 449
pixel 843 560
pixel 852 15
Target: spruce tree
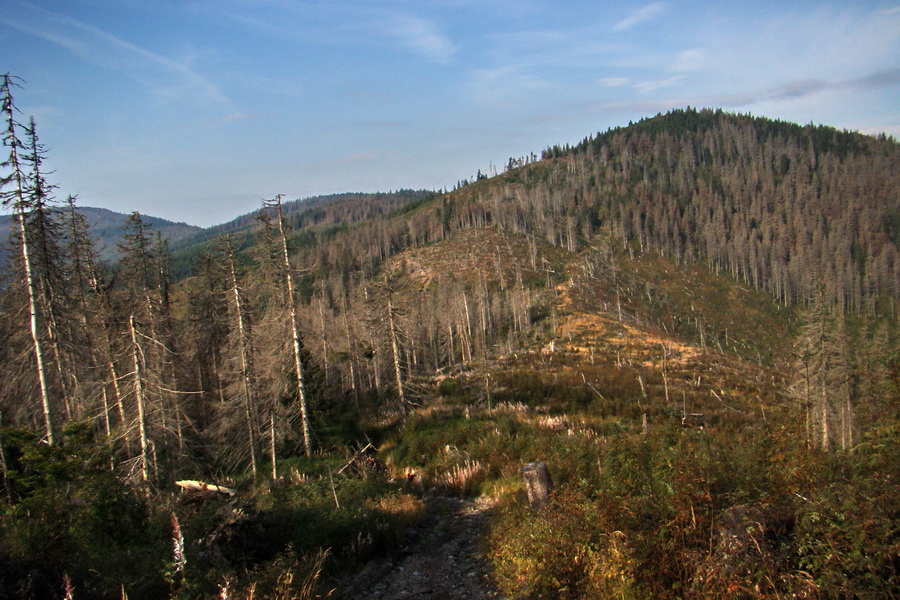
pixel 19 199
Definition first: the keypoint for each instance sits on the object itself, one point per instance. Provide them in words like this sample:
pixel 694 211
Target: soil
pixel 442 559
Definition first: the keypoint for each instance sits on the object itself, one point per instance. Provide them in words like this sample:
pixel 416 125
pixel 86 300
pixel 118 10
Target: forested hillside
pixel 690 319
pixel 782 207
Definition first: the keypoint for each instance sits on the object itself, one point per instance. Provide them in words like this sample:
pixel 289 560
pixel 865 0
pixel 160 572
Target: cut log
pixel 537 482
pixel 189 484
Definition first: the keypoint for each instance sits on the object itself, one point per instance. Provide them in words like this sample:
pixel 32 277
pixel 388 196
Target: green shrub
pixel 567 549
pixel 68 514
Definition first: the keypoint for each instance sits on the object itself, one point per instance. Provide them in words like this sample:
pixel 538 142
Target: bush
pixel 67 514
pixel 568 549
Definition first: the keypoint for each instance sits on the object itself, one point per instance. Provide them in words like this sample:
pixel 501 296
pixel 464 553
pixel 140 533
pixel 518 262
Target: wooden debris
pixel 190 484
pixel 363 461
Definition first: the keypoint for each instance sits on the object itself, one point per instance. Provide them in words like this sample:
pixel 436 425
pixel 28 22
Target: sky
pixel 197 110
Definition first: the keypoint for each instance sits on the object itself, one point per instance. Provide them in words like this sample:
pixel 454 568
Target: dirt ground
pixel 441 560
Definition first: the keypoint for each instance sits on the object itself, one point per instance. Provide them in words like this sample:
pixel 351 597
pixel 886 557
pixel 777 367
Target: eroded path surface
pixel 442 559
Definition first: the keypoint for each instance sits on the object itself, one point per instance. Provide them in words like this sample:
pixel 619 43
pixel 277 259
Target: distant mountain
pixel 106 229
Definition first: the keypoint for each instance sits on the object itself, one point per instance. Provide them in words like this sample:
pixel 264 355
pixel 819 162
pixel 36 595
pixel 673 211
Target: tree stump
pixel 537 482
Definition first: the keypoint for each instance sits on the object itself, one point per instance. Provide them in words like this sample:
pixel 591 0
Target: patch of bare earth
pixel 442 559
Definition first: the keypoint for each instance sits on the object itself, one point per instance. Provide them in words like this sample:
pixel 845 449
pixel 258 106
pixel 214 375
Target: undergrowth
pixel 736 507
pixel 69 525
pixel 740 508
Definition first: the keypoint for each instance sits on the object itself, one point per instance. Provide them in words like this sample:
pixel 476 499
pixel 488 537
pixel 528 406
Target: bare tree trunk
pixel 295 334
pixel 246 357
pixel 139 398
pixel 106 423
pixel 56 358
pixel 452 350
pixel 826 443
pixel 32 310
pixel 468 322
pixel 351 348
pixel 20 216
pixel 114 377
pixel 3 466
pixel 848 420
pixel 396 353
pixel 324 336
pixel 272 445
pixel 665 373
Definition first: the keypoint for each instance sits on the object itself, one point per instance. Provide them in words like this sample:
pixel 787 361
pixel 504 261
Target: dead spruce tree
pixel 49 266
pixel 279 237
pixel 822 378
pixel 18 199
pixel 150 346
pixel 385 322
pixel 245 346
pixel 96 319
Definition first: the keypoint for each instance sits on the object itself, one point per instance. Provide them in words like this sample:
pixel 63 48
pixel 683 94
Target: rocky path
pixel 442 559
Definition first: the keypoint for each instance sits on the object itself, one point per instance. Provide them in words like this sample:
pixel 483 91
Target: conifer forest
pixel 692 321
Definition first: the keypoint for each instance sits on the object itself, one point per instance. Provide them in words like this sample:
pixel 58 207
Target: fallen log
pixel 190 484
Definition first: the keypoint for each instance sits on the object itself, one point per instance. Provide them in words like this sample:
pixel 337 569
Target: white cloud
pixel 639 16
pixel 165 77
pixel 504 86
pixel 345 24
pixel 236 117
pixel 613 82
pixel 423 38
pixel 692 59
pixel 805 88
pixel 829 44
pixel 652 86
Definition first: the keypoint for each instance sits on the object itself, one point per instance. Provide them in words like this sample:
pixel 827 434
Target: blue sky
pixel 195 110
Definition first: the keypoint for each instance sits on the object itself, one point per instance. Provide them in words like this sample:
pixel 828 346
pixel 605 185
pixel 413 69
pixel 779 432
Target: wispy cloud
pixel 232 118
pixel 345 24
pixel 794 90
pixel 785 93
pixel 878 79
pixel 422 37
pixel 613 82
pixel 652 86
pixel 505 86
pixel 691 59
pixel 165 77
pixel 641 15
pixel 236 117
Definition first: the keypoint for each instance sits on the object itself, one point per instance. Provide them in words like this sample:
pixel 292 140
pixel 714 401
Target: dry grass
pixel 462 478
pixel 406 509
pixel 294 580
